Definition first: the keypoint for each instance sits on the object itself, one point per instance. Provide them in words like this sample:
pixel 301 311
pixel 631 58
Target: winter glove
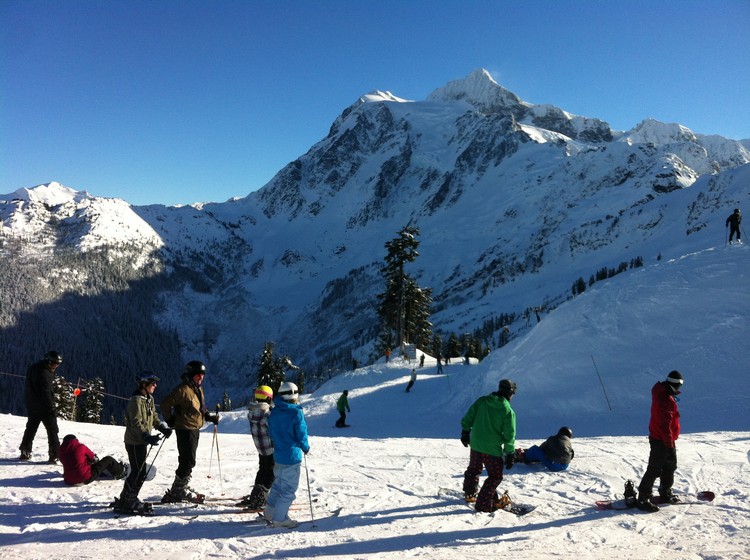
pixel 465 438
pixel 165 430
pixel 151 440
pixel 510 459
pixel 212 417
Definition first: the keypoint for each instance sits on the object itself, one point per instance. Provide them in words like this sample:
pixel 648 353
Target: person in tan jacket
pixel 185 410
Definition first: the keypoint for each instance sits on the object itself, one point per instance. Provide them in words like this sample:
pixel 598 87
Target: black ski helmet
pixel 195 368
pixel 53 357
pixel 565 431
pixel 674 380
pixel 146 378
pixel 507 388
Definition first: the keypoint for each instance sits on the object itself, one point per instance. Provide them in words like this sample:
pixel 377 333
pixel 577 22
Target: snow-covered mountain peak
pixel 481 91
pixel 376 96
pixel 51 194
pixel 651 131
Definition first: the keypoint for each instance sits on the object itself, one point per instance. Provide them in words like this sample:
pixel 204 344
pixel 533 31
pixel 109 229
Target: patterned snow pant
pixel 494 465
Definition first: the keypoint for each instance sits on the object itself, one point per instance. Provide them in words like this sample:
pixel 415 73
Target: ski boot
pixel 25 454
pixel 181 492
pixel 256 500
pixel 630 495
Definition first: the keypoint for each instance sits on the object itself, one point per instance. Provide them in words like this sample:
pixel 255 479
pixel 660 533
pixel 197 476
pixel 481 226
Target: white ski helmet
pixel 288 392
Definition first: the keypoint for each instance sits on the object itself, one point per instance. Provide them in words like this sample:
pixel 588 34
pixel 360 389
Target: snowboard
pixel 619 504
pixel 513 507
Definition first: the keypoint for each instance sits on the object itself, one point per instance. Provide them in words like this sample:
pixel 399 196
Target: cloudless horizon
pixel 181 102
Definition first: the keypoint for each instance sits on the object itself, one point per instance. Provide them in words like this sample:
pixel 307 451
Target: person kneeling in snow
pixel 82 466
pixel 555 453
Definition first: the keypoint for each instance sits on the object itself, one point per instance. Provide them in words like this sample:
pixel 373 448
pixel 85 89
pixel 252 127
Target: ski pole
pixel 155 456
pixel 213 444
pixel 218 457
pixel 309 493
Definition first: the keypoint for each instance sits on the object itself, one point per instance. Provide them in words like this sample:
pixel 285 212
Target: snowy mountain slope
pixel 387 471
pixel 514 202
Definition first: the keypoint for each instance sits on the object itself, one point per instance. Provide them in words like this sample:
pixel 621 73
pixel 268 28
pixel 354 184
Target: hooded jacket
pixel 257 415
pixel 288 430
pixel 665 418
pixel 76 460
pixel 184 408
pixel 492 423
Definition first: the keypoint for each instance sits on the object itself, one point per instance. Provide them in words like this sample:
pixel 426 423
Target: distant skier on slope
pixel 555 453
pixel 663 431
pixel 342 405
pixel 733 223
pixel 412 380
pixel 257 414
pixel 489 428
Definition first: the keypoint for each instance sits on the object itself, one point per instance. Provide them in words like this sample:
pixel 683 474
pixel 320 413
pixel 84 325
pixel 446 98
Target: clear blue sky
pixel 182 101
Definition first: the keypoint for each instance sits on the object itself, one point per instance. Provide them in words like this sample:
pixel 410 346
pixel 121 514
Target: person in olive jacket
pixel 140 419
pixel 40 405
pixel 489 428
pixel 185 410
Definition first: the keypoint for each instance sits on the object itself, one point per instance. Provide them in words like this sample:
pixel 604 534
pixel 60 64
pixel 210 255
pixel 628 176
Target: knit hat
pixel 674 379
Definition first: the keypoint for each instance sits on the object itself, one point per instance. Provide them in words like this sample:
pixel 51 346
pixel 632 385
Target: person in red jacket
pixel 81 465
pixel 663 431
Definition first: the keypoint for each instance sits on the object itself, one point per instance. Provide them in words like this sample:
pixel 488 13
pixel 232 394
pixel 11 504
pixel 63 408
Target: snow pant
pixel 264 476
pixel 494 465
pixel 534 454
pixel 734 230
pixel 283 491
pixel 137 455
pixel 108 464
pixel 187 447
pixel 662 463
pixel 341 422
pixel 410 385
pixel 49 419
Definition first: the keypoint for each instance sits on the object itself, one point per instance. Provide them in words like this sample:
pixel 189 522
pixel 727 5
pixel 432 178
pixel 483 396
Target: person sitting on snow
pixel 82 466
pixel 555 453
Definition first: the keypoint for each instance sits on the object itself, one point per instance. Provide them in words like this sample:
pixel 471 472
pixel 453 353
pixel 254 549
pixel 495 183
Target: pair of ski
pixel 261 522
pixel 509 506
pixel 620 504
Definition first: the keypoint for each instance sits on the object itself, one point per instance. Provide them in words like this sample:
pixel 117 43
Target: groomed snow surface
pixel 386 472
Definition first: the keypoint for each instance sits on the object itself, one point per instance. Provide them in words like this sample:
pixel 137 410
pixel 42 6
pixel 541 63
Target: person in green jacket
pixel 489 428
pixel 342 405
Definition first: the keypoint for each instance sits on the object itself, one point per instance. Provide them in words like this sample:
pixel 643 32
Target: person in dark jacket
pixel 489 428
pixel 555 453
pixel 733 223
pixel 663 431
pixel 82 466
pixel 185 410
pixel 40 405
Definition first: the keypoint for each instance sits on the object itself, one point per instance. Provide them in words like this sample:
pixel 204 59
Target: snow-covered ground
pixel 589 364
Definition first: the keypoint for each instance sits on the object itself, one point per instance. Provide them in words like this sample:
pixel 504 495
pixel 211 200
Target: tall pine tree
pixel 404 308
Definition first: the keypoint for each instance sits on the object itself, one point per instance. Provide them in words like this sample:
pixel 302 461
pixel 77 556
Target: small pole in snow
pixel 602 382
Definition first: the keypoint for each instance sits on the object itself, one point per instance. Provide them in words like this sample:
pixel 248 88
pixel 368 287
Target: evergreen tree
pixel 90 410
pixel 64 399
pixel 453 348
pixel 404 308
pixel 272 371
pixel 226 403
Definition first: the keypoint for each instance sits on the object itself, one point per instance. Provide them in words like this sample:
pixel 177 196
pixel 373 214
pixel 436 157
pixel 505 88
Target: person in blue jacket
pixel 288 430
